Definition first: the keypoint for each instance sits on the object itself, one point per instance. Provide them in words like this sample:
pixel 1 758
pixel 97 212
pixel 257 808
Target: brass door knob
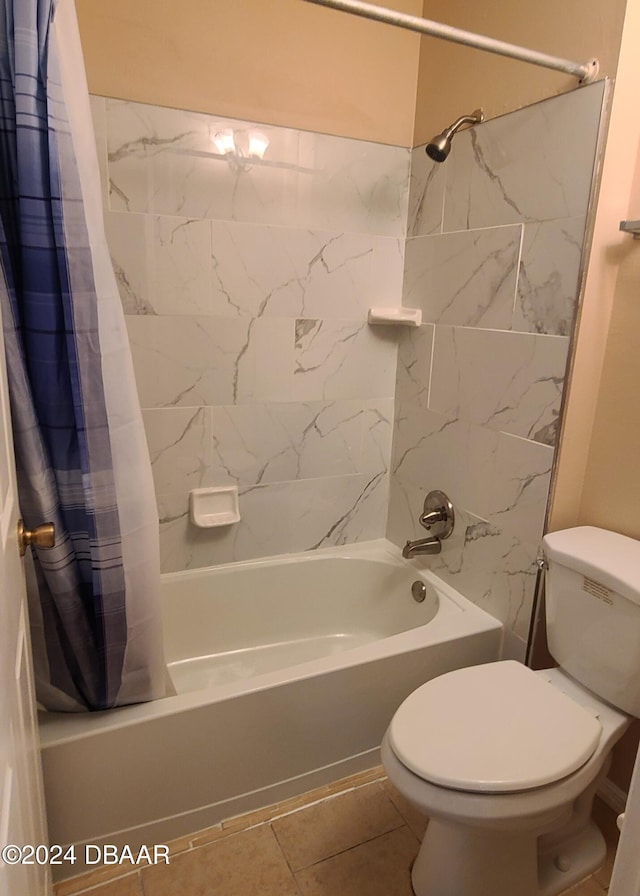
pixel 43 536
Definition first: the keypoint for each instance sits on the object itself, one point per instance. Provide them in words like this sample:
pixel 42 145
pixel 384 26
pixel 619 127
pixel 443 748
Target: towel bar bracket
pixel 632 227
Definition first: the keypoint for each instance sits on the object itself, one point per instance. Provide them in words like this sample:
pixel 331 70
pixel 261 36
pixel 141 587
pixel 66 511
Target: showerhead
pixel 440 146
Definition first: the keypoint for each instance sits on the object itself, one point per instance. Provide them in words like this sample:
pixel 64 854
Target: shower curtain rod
pixel 586 72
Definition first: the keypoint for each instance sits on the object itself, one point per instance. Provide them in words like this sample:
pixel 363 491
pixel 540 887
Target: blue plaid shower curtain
pixel 80 450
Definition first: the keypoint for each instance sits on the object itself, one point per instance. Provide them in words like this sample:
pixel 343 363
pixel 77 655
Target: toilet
pixel 506 761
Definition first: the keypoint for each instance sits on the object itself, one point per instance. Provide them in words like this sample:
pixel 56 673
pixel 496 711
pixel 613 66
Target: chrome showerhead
pixel 440 146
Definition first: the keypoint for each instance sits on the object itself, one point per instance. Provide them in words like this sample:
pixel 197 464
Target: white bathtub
pixel 286 671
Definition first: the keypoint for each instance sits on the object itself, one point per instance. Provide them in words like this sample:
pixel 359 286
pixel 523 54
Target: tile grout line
pixel 405 820
pixel 342 852
pixel 284 856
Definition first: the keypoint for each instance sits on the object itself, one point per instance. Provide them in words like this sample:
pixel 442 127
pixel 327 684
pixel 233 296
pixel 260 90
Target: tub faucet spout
pixel 422 546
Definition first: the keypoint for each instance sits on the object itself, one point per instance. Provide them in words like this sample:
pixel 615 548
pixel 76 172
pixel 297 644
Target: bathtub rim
pixel 456 617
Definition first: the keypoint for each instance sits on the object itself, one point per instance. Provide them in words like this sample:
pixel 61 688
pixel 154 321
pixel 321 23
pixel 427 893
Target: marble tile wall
pixel 246 285
pixel 492 258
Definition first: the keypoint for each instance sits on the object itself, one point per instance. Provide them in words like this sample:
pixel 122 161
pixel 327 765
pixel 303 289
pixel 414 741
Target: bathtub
pixel 284 674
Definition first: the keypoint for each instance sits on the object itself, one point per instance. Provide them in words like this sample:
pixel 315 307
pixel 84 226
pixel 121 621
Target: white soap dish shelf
pixel 403 317
pixel 215 506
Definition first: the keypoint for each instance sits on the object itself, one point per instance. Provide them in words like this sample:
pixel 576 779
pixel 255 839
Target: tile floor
pixel 357 837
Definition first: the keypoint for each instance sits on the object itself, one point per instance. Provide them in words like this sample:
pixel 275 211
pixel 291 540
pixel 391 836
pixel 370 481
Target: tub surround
pixel 246 285
pixel 246 290
pixel 492 259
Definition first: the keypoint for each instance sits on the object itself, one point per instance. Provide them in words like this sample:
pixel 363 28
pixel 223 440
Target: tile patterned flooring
pixel 357 837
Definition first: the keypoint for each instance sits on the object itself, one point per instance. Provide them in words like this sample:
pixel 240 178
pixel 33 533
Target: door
pixel 625 880
pixel 22 816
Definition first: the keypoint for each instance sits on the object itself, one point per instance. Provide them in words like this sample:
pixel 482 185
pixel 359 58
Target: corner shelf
pixel 404 317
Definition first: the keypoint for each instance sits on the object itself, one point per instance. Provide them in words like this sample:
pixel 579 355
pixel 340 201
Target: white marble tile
pixel 265 525
pixel 201 360
pixel 504 381
pixel 534 164
pixel 265 362
pixel 426 194
pixel 411 479
pixel 188 361
pixel 247 288
pixel 181 276
pixel 517 499
pixel 180 448
pixel 98 117
pixel 260 270
pixel 352 185
pixel 377 435
pixel 338 510
pixel 415 351
pixel 166 161
pixel 182 546
pixel 309 513
pixel 466 278
pixel 287 272
pixel 258 444
pixel 387 273
pixel 343 359
pixel 498 477
pixel 435 452
pixel 276 518
pixel 401 511
pixel 492 568
pixel 252 445
pixel 132 140
pixel 129 241
pixel 548 277
pixel 263 530
pixel 417 437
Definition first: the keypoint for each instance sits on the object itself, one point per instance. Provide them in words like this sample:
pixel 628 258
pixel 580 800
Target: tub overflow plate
pixel 419 591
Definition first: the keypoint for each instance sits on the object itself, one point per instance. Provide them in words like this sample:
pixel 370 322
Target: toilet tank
pixel 592 596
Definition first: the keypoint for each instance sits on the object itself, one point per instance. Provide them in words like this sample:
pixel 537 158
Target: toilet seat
pixel 495 728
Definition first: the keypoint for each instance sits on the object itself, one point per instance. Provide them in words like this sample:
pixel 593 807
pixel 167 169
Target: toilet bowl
pixel 524 828
pixel 506 761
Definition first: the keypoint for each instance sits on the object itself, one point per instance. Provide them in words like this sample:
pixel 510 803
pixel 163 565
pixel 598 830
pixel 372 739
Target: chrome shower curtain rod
pixel 586 72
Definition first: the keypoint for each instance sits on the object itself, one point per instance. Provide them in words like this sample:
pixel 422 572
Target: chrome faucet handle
pixel 437 515
pixel 434 516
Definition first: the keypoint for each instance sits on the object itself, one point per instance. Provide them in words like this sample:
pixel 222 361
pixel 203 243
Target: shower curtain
pixel 81 455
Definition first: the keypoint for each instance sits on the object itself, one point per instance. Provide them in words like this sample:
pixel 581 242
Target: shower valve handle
pixel 437 515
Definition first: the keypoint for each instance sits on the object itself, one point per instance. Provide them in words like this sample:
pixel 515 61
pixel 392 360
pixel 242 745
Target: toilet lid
pixel 494 728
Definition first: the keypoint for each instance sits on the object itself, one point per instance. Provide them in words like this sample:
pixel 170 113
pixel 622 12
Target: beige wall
pixel 611 489
pixel 290 63
pixel 454 80
pixel 598 476
pixel 282 62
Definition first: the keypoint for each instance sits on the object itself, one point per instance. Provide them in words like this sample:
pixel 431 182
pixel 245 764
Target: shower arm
pixel 464 122
pixel 585 72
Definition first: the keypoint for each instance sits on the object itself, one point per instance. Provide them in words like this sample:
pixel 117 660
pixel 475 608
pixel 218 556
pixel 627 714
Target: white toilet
pixel 506 761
